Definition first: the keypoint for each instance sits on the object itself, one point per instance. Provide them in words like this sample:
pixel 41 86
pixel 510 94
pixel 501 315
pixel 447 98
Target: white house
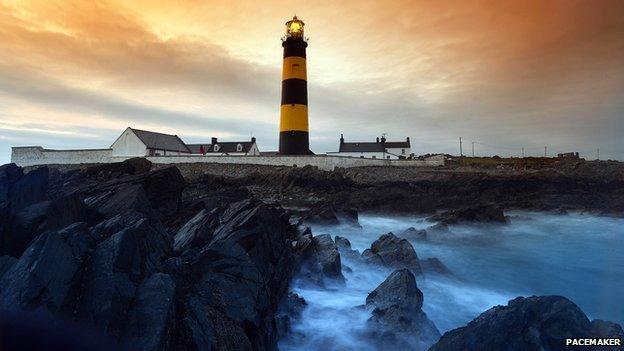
pixel 380 148
pixel 140 143
pixel 226 148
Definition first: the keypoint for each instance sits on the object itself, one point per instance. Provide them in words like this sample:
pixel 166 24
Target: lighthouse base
pixel 294 142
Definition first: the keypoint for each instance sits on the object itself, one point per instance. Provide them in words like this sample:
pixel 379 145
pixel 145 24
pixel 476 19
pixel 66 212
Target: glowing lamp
pixel 294 28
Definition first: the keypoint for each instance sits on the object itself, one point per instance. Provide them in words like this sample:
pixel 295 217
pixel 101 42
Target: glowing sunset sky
pixel 511 74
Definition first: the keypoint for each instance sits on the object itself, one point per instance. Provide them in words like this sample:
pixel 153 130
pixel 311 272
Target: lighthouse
pixel 294 129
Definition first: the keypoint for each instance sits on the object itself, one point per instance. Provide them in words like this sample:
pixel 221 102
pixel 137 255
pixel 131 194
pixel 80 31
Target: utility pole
pixel 598 154
pixel 522 152
pixel 473 149
pixel 545 151
pixel 461 152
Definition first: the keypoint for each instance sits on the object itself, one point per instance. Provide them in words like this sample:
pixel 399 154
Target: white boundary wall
pixel 36 155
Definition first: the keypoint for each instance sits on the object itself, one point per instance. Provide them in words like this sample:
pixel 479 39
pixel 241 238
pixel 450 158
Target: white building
pixel 227 148
pixel 140 143
pixel 380 148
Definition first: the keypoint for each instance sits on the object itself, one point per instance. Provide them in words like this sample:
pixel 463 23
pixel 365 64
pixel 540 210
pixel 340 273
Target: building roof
pixel 362 147
pixel 397 144
pixel 160 141
pixel 228 147
pixel 381 145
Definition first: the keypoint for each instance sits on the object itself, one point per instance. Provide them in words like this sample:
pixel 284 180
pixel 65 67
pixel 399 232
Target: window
pixel 374 156
pixel 239 147
pixel 402 151
pixel 216 147
pixel 388 157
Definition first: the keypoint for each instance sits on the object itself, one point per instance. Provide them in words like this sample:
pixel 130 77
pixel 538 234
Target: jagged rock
pixel 197 231
pixel 33 220
pixel 119 200
pixel 118 264
pixel 532 323
pixel 245 270
pixel 45 273
pixel 151 321
pixel 9 174
pixel 289 311
pixel 108 287
pixel 329 214
pixel 434 265
pixel 398 289
pixel 342 242
pixel 29 189
pixel 390 251
pixel 606 330
pixel 6 262
pixel 344 247
pixel 481 214
pixel 397 320
pixel 323 262
pixel 157 191
pixel 107 171
pixel 412 233
pixel 208 329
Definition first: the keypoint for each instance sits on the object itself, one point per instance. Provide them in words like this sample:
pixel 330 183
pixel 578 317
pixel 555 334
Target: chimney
pixel 377 139
pixel 383 139
pixel 408 141
pixel 253 140
pixel 341 138
pixel 214 141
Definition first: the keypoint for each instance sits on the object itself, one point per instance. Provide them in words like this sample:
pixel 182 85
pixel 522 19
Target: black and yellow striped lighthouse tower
pixel 294 131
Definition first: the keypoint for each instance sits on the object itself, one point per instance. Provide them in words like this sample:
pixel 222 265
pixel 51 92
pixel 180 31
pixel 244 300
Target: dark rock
pixel 157 191
pixel 393 252
pixel 245 270
pixel 289 311
pixel 434 265
pixel 412 233
pixel 209 329
pixel 344 247
pixel 606 330
pixel 108 287
pixel 480 214
pixel 118 264
pixel 533 323
pixel 119 200
pixel 6 262
pixel 398 289
pixel 29 189
pixel 342 242
pixel 197 231
pixel 107 171
pixel 150 323
pixel 329 214
pixel 45 273
pixel 43 216
pixel 9 174
pixel 397 320
pixel 323 262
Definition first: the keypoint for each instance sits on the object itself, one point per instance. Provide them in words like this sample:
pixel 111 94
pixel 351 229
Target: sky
pixel 505 75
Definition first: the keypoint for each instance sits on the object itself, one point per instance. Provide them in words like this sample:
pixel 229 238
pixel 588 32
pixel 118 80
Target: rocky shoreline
pixel 156 259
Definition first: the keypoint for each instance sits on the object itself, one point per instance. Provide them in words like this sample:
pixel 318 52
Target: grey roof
pixel 362 147
pixel 227 147
pixel 375 146
pixel 397 144
pixel 160 141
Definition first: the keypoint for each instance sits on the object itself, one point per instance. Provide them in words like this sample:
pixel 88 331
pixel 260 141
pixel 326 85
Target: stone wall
pixel 36 155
